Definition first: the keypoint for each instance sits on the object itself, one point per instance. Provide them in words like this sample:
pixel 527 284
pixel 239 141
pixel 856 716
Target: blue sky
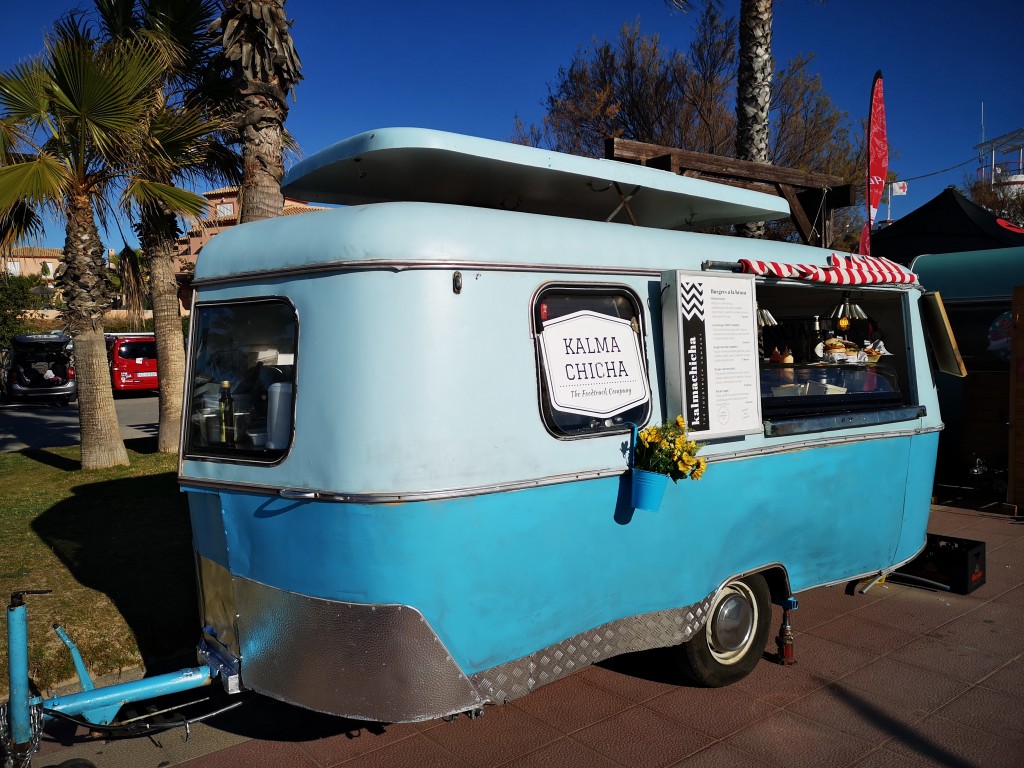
pixel 471 67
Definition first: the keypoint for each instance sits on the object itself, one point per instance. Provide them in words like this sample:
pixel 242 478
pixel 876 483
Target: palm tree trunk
pixel 262 157
pixel 88 294
pixel 170 346
pixel 754 90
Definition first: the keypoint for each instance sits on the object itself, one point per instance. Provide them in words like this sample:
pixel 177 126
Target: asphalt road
pixel 49 425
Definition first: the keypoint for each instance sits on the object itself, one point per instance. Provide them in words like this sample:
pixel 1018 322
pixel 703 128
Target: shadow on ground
pixel 131 539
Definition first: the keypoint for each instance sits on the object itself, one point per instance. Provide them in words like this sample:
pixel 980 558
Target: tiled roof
pixel 291 207
pixel 291 210
pixel 32 252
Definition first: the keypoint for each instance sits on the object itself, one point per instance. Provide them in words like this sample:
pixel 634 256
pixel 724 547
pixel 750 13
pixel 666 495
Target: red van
pixel 132 358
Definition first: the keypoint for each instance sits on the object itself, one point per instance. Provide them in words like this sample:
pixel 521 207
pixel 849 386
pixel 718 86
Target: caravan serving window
pixel 241 391
pixel 814 365
pixel 591 359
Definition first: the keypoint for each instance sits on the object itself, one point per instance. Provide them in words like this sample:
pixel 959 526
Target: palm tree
pixel 183 144
pixel 753 85
pixel 754 90
pixel 257 44
pixel 83 110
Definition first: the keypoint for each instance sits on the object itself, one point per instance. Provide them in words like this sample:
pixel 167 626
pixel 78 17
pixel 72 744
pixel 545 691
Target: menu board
pixel 710 331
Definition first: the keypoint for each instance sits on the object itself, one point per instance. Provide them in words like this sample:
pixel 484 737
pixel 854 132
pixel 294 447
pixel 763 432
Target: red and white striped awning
pixel 842 270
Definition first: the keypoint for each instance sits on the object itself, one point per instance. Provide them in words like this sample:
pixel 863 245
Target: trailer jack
pixel 23 716
pixel 784 641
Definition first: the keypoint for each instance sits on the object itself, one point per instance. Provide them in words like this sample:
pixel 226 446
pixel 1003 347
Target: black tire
pixel 729 645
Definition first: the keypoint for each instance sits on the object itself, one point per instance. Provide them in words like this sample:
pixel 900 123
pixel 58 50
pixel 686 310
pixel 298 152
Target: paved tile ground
pixel 900 676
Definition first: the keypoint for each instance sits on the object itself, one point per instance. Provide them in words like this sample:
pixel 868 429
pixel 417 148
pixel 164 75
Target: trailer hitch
pixel 22 716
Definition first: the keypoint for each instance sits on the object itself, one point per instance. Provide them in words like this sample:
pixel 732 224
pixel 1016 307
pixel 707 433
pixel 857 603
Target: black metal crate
pixel 956 564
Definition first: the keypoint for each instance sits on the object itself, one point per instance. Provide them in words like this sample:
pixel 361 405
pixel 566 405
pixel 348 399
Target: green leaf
pixel 23 92
pixel 103 99
pixel 144 193
pixel 44 180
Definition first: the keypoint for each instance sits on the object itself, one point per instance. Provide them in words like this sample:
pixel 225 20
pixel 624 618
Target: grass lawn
pixel 114 546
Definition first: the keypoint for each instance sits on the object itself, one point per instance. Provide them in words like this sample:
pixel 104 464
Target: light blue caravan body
pixel 395 515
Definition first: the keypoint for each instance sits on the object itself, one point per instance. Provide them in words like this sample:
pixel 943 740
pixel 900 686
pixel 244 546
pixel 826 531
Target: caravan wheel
pixel 733 638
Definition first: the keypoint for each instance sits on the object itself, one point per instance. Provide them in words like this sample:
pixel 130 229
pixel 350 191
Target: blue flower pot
pixel 648 489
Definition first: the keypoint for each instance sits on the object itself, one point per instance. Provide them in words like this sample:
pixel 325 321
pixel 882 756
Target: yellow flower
pixel 667 449
pixel 650 435
pixel 698 471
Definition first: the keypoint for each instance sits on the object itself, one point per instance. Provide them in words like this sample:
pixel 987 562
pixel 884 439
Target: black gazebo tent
pixel 949 223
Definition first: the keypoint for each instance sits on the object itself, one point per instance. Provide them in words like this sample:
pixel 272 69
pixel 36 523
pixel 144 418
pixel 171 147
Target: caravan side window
pixel 830 351
pixel 240 397
pixel 591 359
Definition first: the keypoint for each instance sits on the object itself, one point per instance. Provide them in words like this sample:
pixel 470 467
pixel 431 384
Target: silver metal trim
pixel 659 629
pixel 821 442
pixel 373 265
pixel 390 498
pixel 362 265
pixel 363 661
pixel 384 662
pixel 518 485
pixel 875 574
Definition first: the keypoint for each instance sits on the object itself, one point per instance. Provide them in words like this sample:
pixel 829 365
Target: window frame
pixel 190 449
pixel 818 412
pixel 620 425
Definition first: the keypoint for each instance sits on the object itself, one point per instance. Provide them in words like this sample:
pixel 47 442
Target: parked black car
pixel 39 366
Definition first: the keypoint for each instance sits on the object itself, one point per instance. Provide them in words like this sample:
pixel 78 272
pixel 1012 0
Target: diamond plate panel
pixel 634 633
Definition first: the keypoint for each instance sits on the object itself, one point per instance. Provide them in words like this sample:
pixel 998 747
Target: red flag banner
pixel 841 270
pixel 878 160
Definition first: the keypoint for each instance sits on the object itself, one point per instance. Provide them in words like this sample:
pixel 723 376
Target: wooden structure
pixel 811 196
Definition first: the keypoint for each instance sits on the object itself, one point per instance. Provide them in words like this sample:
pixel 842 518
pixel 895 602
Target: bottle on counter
pixel 816 343
pixel 227 414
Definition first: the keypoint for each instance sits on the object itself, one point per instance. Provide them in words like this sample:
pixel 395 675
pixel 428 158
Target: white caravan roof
pixel 417 164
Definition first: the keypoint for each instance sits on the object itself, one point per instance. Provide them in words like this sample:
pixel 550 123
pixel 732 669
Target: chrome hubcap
pixel 733 619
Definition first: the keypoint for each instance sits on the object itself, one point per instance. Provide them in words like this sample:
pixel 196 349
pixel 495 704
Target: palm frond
pixel 12 135
pixel 256 37
pixel 118 18
pixel 23 92
pixel 104 98
pixel 19 223
pixel 143 193
pixel 37 182
pixel 184 23
pixel 178 127
pixel 133 284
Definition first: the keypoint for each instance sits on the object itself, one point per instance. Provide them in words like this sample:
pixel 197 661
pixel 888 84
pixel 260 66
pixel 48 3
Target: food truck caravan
pixel 409 426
